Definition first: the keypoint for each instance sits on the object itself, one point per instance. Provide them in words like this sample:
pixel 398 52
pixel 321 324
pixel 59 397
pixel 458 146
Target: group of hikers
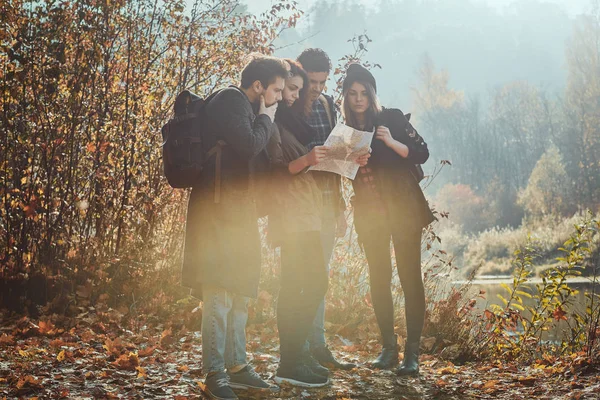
pixel 271 129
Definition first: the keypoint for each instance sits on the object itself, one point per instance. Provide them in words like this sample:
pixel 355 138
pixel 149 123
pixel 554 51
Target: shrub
pixel 519 330
pixel 493 248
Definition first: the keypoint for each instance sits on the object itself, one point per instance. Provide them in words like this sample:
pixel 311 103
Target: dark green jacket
pixel 296 200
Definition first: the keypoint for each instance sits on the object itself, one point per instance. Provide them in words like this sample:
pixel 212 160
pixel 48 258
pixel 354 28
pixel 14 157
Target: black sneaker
pixel 217 387
pixel 314 365
pixel 324 356
pixel 300 375
pixel 247 378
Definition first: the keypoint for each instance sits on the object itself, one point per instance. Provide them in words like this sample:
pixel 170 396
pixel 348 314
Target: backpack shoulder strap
pixel 218 151
pixel 325 103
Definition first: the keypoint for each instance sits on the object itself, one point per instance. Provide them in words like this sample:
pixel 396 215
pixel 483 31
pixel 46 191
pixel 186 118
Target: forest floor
pixel 102 353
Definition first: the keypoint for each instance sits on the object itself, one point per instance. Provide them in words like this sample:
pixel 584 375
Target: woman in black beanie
pixel 389 203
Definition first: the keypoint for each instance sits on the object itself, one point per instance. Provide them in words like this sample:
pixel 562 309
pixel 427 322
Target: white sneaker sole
pixel 241 386
pixel 213 397
pixel 294 382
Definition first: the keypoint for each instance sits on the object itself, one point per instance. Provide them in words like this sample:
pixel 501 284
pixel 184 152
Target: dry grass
pixel 492 249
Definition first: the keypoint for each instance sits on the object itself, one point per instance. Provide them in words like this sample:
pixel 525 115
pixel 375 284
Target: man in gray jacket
pixel 222 253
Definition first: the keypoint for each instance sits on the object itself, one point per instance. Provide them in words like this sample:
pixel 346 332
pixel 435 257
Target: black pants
pixel 407 246
pixel 303 285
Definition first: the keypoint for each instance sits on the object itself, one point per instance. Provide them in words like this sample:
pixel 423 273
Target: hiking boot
pixel 247 378
pixel 300 375
pixel 410 365
pixel 217 386
pixel 313 364
pixel 324 356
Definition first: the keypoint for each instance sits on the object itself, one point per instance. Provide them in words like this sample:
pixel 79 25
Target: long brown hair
pixel 302 105
pixel 371 113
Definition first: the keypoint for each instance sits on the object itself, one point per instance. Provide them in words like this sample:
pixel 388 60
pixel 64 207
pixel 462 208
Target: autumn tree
pixel 549 190
pixel 86 87
pixel 493 151
pixel 441 114
pixel 580 140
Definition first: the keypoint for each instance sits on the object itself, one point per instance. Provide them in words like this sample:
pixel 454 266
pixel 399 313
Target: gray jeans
pixel 224 318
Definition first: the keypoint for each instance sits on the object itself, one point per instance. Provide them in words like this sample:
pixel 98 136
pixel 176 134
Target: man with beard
pixel 322 118
pixel 222 254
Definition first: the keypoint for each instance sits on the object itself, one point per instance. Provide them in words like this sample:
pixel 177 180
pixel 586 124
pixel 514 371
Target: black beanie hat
pixel 358 73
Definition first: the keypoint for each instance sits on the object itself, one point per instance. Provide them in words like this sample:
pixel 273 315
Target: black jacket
pixel 401 194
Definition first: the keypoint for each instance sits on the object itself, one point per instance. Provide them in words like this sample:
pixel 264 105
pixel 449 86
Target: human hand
pixel 316 155
pixel 384 134
pixel 364 159
pixel 268 111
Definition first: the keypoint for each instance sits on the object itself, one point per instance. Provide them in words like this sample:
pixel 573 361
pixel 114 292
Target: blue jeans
pixel 316 336
pixel 224 318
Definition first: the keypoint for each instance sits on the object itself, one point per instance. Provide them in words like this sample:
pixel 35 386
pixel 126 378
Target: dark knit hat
pixel 358 73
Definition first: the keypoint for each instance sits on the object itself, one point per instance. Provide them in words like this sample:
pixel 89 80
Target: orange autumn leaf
pixel 166 338
pixel 147 351
pixel 56 343
pixel 490 384
pixel 447 370
pixel 127 362
pixel 29 210
pixel 7 339
pixel 28 382
pixel 559 314
pixel 113 347
pixel 527 380
pixel 141 372
pixel 46 328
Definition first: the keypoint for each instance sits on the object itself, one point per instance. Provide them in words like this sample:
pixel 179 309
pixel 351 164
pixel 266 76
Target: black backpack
pixel 182 149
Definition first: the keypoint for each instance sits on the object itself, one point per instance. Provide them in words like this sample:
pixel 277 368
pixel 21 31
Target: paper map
pixel 345 144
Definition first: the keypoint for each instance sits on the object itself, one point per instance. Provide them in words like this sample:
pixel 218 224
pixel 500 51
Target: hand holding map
pixel 345 146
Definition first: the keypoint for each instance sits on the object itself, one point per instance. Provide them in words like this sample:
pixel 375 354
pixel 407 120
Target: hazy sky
pixel 478 55
pixel 572 6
